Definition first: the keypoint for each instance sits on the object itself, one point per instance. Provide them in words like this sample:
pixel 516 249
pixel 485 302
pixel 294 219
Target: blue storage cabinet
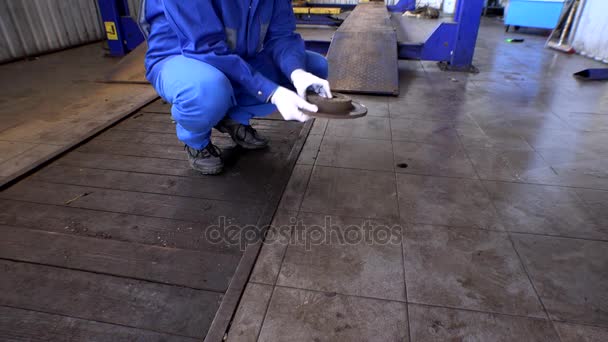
pixel 533 13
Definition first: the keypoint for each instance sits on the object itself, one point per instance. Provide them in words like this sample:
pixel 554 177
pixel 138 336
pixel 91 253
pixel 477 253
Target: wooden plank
pixel 223 187
pixel 122 211
pixel 130 69
pixel 107 225
pixel 55 100
pixel 279 130
pixel 272 116
pixel 18 325
pixel 10 149
pixel 80 120
pixel 173 152
pixel 150 117
pixel 12 167
pixel 194 269
pixel 164 151
pixel 131 137
pixel 158 106
pixel 104 161
pixel 240 182
pixel 208 212
pixel 363 53
pixel 239 177
pixel 133 303
pixel 279 133
pixel 147 126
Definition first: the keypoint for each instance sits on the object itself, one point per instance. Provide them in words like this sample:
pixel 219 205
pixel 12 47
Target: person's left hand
pixel 303 80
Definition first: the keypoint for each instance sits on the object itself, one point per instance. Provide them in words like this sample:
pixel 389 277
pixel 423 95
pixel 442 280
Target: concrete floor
pixel 471 207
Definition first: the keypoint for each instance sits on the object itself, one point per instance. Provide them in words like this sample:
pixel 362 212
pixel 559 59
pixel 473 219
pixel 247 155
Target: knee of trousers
pixel 202 101
pixel 317 65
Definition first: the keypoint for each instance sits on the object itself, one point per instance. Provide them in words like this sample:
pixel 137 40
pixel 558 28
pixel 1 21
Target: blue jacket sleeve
pixel 286 46
pixel 205 40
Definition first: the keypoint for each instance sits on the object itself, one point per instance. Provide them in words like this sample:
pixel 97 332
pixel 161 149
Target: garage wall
pixel 134 7
pixel 591 36
pixel 32 27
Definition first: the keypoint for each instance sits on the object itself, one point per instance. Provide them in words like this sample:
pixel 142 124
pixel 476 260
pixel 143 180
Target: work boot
pixel 244 135
pixel 206 160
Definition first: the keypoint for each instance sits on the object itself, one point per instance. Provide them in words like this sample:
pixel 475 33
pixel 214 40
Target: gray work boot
pixel 244 135
pixel 206 160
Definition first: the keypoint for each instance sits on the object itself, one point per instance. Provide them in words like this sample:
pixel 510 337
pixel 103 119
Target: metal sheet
pixel 590 36
pixel 364 63
pixel 363 53
pixel 37 26
pixel 369 17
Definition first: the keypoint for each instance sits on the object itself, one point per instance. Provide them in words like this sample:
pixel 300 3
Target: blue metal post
pixel 457 9
pixel 468 17
pixel 122 32
pixel 402 6
pixel 110 14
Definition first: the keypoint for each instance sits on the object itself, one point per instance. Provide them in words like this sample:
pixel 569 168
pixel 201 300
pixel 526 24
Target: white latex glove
pixel 303 80
pixel 290 105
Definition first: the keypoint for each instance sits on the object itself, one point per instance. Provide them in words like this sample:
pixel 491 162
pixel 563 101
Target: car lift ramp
pixel 363 53
pixel 361 61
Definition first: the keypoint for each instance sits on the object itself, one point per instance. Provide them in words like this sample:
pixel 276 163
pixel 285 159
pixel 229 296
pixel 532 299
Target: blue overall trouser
pixel 201 95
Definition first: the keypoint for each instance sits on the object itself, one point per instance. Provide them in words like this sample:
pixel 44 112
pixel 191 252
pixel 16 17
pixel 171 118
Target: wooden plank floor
pixel 109 243
pixel 52 103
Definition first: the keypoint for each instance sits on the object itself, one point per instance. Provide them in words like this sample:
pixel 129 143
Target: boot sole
pixel 210 170
pixel 248 146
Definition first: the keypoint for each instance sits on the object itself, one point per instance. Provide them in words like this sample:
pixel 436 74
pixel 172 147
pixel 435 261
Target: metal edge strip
pixel 223 318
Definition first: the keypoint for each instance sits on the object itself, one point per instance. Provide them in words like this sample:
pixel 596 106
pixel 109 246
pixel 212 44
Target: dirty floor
pixel 50 103
pixel 120 240
pixel 471 207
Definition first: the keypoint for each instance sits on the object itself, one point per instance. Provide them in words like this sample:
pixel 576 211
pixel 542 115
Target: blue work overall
pixel 217 58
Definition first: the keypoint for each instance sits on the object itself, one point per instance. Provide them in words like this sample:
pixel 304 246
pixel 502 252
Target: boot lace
pixel 209 150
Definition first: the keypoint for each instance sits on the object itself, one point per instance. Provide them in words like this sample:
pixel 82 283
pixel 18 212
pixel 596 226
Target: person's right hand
pixel 290 105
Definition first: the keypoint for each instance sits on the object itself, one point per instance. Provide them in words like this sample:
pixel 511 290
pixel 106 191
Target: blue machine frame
pixel 122 31
pixel 452 43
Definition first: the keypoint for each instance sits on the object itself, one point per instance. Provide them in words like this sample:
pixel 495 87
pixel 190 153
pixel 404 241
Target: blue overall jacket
pixel 225 34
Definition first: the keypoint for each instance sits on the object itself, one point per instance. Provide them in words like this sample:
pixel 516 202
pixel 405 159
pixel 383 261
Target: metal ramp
pixel 363 53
